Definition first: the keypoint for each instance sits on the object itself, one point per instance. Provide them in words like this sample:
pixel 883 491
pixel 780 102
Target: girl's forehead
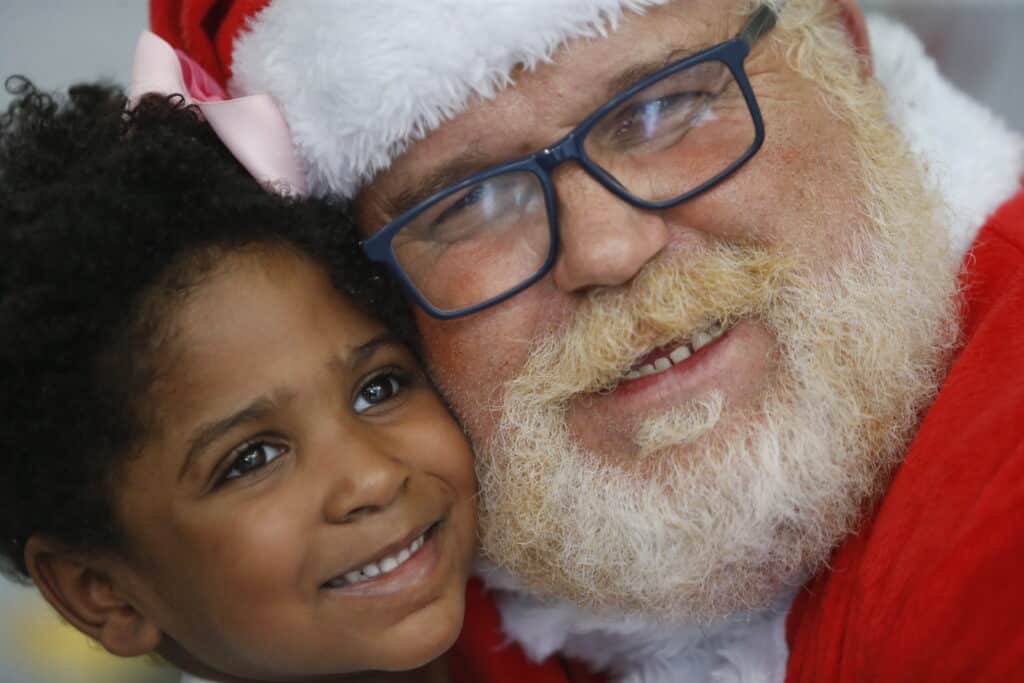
pixel 262 323
pixel 267 294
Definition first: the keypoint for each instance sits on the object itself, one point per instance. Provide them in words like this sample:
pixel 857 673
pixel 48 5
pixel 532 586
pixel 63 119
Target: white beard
pixel 751 647
pixel 717 509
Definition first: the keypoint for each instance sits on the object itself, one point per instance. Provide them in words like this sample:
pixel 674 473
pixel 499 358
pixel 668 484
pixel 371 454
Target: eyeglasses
pixel 664 140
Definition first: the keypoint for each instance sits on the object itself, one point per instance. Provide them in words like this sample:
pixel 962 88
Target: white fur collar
pixel 977 163
pixel 745 648
pixel 971 155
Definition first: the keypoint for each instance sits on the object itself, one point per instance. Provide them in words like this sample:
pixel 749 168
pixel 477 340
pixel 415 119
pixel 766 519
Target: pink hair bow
pixel 251 127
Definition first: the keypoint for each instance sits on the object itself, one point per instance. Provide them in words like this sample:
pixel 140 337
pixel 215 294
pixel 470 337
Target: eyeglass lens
pixel 674 135
pixel 478 243
pixel 667 140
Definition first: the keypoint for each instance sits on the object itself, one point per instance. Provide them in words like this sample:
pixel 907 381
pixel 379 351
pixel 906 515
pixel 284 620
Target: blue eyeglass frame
pixel 733 53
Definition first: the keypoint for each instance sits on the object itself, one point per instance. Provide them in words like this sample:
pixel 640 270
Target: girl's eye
pixel 252 457
pixel 377 390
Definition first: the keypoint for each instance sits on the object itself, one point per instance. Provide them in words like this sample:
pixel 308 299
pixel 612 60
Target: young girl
pixel 213 448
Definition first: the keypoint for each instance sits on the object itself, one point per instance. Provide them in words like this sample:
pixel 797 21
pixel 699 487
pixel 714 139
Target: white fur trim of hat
pixel 359 80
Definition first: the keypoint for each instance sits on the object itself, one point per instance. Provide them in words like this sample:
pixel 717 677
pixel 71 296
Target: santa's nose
pixel 604 240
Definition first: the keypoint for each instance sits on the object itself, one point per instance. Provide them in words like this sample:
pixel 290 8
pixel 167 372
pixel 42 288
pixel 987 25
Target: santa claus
pixel 728 296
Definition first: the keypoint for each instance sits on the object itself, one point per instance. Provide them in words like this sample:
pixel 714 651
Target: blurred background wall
pixel 978 44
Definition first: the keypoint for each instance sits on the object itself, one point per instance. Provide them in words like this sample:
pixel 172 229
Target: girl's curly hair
pixel 106 215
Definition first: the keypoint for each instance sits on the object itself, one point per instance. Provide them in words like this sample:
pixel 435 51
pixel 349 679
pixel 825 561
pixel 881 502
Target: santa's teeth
pixel 700 340
pixel 353 577
pixel 371 570
pixel 680 354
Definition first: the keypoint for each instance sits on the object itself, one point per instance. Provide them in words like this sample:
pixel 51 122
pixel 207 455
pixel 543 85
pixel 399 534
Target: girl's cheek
pixel 444 448
pixel 252 542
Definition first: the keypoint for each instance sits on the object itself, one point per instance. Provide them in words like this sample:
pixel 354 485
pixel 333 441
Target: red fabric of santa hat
pixel 204 29
pixel 359 80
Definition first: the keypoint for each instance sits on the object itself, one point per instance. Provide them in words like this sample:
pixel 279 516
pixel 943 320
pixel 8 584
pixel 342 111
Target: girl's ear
pixel 86 597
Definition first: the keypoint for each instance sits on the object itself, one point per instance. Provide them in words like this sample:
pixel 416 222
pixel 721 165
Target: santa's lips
pixel 667 357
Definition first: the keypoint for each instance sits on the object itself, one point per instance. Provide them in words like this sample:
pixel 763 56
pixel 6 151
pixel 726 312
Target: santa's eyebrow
pixel 635 73
pixel 451 172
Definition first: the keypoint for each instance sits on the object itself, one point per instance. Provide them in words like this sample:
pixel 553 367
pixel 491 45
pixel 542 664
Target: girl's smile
pixel 398 566
pixel 385 562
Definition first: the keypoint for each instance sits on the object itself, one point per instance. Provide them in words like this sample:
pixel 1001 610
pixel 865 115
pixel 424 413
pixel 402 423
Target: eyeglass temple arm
pixel 760 22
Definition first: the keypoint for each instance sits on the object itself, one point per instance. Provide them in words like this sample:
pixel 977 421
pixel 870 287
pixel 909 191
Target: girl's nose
pixel 366 481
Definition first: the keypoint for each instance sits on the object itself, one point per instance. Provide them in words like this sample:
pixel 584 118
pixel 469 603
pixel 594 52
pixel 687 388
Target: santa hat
pixel 359 80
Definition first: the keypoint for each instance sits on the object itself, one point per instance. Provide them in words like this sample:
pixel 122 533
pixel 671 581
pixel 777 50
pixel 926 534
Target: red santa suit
pixel 929 588
pixel 932 587
pixel 484 654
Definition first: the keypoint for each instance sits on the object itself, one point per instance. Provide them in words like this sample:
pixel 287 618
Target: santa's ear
pixel 86 596
pixel 857 27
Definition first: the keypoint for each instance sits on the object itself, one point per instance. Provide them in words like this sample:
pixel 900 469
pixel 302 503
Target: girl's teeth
pixel 699 341
pixel 381 567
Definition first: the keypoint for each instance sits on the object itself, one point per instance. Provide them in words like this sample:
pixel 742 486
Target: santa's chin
pixel 698 529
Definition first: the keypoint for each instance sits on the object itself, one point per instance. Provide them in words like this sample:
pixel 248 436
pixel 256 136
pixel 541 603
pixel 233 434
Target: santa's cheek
pixel 471 358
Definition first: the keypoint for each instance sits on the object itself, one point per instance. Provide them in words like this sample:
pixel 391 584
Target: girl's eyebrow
pixel 359 355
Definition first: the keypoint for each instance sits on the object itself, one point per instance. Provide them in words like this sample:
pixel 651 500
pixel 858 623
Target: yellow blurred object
pixel 54 651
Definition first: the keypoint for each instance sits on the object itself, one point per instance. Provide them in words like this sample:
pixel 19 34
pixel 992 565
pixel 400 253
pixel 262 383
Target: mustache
pixel 675 295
